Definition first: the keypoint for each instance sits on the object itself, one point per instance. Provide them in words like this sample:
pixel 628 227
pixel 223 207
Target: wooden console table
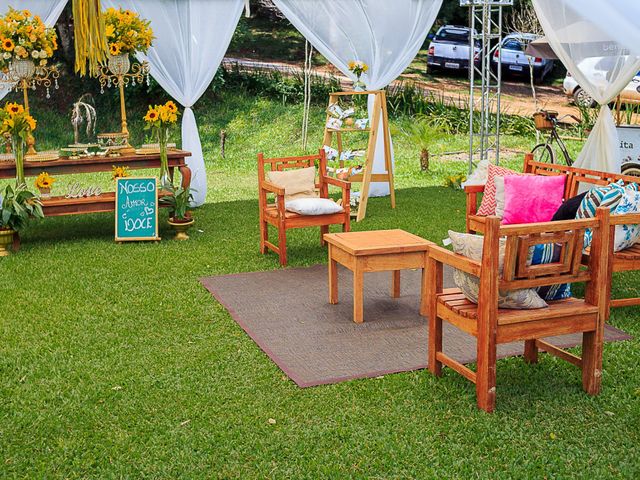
pixel 106 202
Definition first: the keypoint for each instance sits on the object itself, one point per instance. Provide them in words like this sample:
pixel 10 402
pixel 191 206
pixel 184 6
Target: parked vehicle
pixel 449 49
pixel 630 94
pixel 514 61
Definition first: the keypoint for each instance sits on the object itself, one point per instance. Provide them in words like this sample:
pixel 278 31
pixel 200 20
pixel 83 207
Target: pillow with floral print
pixel 627 235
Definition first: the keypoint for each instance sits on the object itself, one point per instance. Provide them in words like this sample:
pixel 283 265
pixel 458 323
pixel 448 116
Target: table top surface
pixel 95 160
pixel 377 242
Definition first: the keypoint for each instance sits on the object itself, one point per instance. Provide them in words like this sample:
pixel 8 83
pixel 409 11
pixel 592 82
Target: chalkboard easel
pixel 136 209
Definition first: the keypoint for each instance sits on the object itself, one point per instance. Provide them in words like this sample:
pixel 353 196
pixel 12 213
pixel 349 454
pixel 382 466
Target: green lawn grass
pixel 116 363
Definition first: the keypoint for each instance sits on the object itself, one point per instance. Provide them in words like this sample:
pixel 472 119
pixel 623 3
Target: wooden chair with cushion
pixel 275 214
pixel 491 325
pixel 622 261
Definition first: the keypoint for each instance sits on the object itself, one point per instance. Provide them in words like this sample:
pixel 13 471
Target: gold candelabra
pixel 120 72
pixel 24 74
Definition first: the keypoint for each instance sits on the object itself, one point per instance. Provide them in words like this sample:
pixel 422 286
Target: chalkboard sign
pixel 136 209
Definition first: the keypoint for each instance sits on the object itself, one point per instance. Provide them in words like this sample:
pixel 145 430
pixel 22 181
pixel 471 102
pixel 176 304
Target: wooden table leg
pixel 395 284
pixel 358 294
pixel 333 278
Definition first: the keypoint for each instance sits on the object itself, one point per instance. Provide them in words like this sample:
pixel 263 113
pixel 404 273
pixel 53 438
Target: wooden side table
pixel 375 251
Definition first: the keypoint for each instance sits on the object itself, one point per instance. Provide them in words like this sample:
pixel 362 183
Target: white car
pixel 630 94
pixel 449 49
pixel 515 61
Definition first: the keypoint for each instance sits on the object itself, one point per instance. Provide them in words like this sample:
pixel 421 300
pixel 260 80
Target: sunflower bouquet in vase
pixel 358 68
pixel 160 119
pixel 127 34
pixel 26 42
pixel 43 183
pixel 19 125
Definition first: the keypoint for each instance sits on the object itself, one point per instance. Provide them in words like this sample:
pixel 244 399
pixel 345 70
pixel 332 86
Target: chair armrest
pixel 474 189
pixel 625 219
pixel 447 257
pixel 337 182
pixel 270 187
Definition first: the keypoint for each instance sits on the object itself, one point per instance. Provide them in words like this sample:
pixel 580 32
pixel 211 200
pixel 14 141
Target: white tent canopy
pixel 598 41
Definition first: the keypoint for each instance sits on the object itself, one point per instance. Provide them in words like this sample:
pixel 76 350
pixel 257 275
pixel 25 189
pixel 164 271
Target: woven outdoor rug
pixel 287 313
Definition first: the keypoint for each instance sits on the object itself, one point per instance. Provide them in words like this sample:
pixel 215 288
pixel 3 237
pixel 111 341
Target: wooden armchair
pixel 491 325
pixel 276 215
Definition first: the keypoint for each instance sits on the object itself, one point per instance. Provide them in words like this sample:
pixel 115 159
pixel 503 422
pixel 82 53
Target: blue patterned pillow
pixel 608 196
pixel 549 253
pixel 627 235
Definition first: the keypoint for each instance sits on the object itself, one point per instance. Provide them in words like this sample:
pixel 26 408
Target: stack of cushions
pixel 619 199
pixel 300 195
pixel 517 198
pixel 470 246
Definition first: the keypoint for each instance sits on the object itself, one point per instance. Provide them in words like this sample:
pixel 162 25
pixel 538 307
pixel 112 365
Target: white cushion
pixel 499 183
pixel 313 206
pixel 470 246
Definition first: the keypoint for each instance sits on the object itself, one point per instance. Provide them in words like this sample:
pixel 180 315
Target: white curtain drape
pixel 48 10
pixel 598 41
pixel 192 37
pixel 384 34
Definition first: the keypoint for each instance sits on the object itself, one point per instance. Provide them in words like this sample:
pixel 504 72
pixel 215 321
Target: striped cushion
pixel 488 204
pixel 608 196
pixel 549 253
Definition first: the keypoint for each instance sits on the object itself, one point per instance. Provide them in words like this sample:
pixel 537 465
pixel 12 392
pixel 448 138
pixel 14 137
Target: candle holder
pixel 119 72
pixel 24 74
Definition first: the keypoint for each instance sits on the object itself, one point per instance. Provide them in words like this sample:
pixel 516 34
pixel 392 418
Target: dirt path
pixel 516 97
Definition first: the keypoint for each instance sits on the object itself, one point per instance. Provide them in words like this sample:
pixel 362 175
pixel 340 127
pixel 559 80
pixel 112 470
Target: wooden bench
pixel 105 202
pixel 623 261
pixel 492 326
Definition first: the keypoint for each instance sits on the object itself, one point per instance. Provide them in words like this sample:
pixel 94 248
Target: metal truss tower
pixel 485 22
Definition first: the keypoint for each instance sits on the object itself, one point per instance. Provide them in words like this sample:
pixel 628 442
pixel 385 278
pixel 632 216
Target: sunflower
pixel 110 31
pixel 171 106
pixel 31 122
pixel 14 109
pixel 114 49
pixel 7 44
pixel 152 115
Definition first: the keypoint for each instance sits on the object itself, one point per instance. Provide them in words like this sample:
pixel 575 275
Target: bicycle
pixel 547 120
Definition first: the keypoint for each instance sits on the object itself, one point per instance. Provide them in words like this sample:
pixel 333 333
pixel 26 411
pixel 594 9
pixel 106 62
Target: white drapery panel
pixel 598 41
pixel 384 34
pixel 192 37
pixel 48 10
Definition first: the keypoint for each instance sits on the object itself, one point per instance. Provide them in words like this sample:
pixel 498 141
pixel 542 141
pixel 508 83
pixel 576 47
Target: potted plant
pixel 43 183
pixel 18 206
pixel 180 217
pixel 422 134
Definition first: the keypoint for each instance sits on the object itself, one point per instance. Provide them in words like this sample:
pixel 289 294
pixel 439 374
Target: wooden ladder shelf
pixel 378 114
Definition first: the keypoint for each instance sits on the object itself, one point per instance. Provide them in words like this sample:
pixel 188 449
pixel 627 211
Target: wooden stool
pixel 375 251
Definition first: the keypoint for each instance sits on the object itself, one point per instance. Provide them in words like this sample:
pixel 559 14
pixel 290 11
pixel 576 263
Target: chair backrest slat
pixel 567 240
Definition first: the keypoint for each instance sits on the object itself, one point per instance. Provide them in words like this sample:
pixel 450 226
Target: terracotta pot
pixel 181 226
pixel 6 239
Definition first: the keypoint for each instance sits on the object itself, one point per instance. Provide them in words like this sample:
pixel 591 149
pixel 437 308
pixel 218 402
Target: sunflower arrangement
pixel 358 68
pixel 44 181
pixel 119 172
pixel 16 121
pixel 18 124
pixel 160 118
pixel 126 32
pixel 25 36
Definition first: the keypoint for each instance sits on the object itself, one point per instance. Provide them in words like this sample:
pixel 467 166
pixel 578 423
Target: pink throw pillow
pixel 488 204
pixel 531 198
